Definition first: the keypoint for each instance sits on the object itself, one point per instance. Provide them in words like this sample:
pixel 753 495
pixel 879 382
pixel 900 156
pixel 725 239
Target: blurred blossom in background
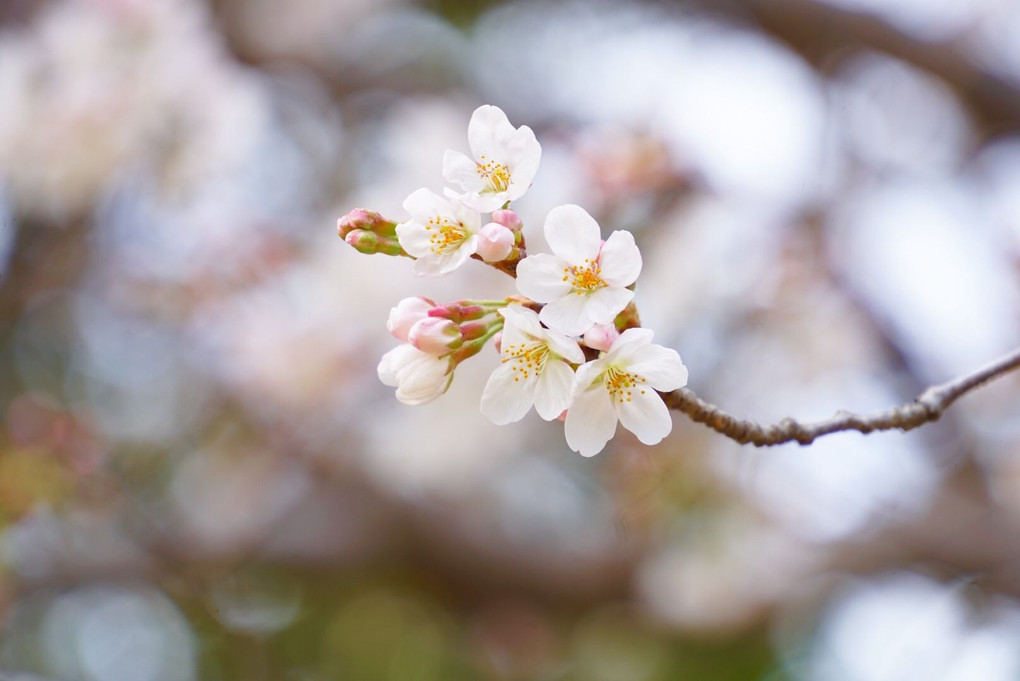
pixel 202 478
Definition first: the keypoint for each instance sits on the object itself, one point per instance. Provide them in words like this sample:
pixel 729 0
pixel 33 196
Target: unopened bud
pixel 508 218
pixel 365 220
pixel 435 336
pixel 601 336
pixel 495 242
pixel 405 314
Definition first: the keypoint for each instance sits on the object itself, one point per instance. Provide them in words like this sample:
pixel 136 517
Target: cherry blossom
pixel 621 386
pixel 584 282
pixel 405 314
pixel 441 234
pixel 535 370
pixel 418 376
pixel 505 161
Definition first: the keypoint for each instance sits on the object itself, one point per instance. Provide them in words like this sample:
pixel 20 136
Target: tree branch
pixel 929 406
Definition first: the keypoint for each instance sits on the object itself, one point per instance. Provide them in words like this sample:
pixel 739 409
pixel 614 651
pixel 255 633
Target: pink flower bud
pixel 601 336
pixel 508 219
pixel 495 242
pixel 406 313
pixel 497 342
pixel 435 336
pixel 367 220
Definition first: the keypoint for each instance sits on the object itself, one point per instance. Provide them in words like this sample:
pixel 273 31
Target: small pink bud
pixel 435 335
pixel 601 337
pixel 497 342
pixel 406 313
pixel 367 220
pixel 495 242
pixel 508 219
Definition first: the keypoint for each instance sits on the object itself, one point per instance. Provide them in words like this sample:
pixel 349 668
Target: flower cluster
pixel 570 343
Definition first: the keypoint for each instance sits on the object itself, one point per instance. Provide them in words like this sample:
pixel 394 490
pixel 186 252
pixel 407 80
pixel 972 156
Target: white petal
pixel 425 203
pixel 488 131
pixel 567 314
pixel 563 346
pixel 591 422
pixel 414 238
pixel 468 217
pixel 392 361
pixel 628 344
pixel 507 397
pixel 587 374
pixel 660 366
pixel 553 393
pixel 620 259
pixel 573 234
pixel 605 303
pixel 486 202
pixel 646 416
pixel 521 320
pixel 438 265
pixel 461 171
pixel 540 277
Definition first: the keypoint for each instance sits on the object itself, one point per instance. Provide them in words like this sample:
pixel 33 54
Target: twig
pixel 929 406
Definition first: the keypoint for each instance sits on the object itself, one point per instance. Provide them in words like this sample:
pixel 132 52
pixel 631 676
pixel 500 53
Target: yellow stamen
pixel 585 278
pixel 621 384
pixel 496 175
pixel 444 234
pixel 527 358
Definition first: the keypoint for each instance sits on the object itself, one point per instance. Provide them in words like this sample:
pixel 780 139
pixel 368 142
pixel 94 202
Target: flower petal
pixel 540 277
pixel 627 345
pixel 567 314
pixel 591 422
pixel 573 234
pixel 660 366
pixel 414 238
pixel 425 203
pixel 488 130
pixel 553 393
pixel 605 303
pixel 620 259
pixel 520 319
pixel 507 397
pixel 563 346
pixel 461 171
pixel 646 416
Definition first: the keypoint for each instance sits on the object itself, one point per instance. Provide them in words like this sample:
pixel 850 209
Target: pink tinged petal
pixel 605 303
pixel 461 171
pixel 495 243
pixel 540 277
pixel 660 366
pixel 572 234
pixel 620 259
pixel 645 415
pixel 487 131
pixel 590 422
pixel 568 315
pixel 554 389
pixel 435 336
pixel 601 336
pixel 507 397
pixel 403 316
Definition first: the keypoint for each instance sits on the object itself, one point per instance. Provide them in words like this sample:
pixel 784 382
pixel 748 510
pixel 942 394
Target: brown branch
pixel 928 407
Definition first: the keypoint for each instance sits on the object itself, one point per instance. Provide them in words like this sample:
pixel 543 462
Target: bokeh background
pixel 202 478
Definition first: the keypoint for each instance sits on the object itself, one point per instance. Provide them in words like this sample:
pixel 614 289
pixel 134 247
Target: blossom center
pixel 527 359
pixel 445 235
pixel 621 384
pixel 584 278
pixel 496 175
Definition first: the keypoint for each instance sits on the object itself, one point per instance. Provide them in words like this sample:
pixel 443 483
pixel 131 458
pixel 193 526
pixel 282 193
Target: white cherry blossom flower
pixel 441 234
pixel 585 281
pixel 418 376
pixel 534 370
pixel 621 386
pixel 505 161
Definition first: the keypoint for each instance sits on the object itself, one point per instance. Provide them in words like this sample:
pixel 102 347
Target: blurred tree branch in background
pixel 928 407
